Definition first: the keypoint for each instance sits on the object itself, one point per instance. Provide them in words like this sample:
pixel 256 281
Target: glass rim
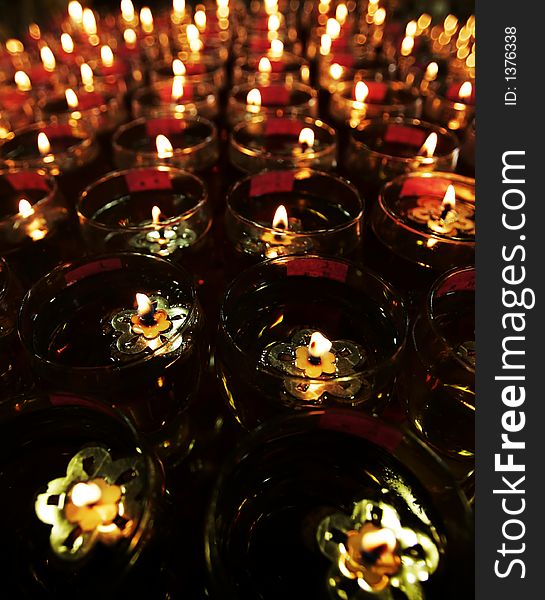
pixel 298 234
pixel 135 228
pixel 266 264
pixel 105 368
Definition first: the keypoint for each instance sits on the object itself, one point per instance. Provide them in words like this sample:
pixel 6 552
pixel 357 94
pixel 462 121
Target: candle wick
pixel 314 360
pixel 148 318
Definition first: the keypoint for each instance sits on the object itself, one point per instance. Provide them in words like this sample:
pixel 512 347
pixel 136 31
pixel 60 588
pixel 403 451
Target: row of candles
pixel 300 331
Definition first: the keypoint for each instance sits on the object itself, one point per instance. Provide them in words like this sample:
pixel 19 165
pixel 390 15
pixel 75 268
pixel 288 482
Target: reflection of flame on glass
pixel 127 10
pixel 75 11
pixel 306 137
pixel 280 219
pixel 277 48
pixel 253 100
pixel 178 67
pixel 318 345
pixel 22 80
pixel 200 20
pixel 48 60
pixel 43 144
pixel 273 23
pixel 67 43
pixel 429 146
pixel 71 98
pixel 89 22
pixel 407 45
pixel 144 305
pixel 106 56
pixel 177 88
pixel 25 208
pixel 336 71
pixel 341 13
pixel 465 90
pixel 264 65
pixel 164 147
pixel 361 91
pixel 333 28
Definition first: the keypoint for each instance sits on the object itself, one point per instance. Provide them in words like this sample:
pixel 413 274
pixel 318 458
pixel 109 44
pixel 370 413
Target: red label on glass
pixel 57 131
pixel 277 66
pixel 377 91
pixel 274 95
pixel 345 60
pixel 283 127
pixel 13 99
pixel 195 69
pixel 271 183
pixel 148 179
pixel 90 100
pixel 97 266
pixel 259 44
pixel 453 94
pixel 365 427
pixel 460 282
pixel 154 127
pixel 424 186
pixel 315 267
pixel 399 134
pixel 27 180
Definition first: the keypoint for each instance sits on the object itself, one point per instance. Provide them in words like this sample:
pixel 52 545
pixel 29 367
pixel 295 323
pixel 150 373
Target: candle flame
pixel 86 75
pixel 89 22
pixel 67 43
pixel 318 345
pixel 450 24
pixel 411 28
pixel 127 10
pixel 361 91
pixel 146 19
pixel 341 13
pixel 178 67
pixel 106 56
pixel 177 88
pixel 431 71
pixel 407 45
pixel 380 17
pixel 465 90
pixel 14 46
pixel 280 219
pixel 43 144
pixel 178 6
pixel 264 65
pixel 129 35
pixel 306 137
pixel 273 22
pixel 22 80
pixel 254 98
pixel 325 44
pixel 424 21
pixel 84 494
pixel 144 304
pixel 193 38
pixel 336 71
pixel 164 147
pixel 371 540
pixel 429 146
pixel 277 48
pixel 25 208
pixel 333 28
pixel 75 11
pixel 71 98
pixel 200 19
pixel 34 31
pixel 271 6
pixel 449 199
pixel 155 215
pixel 48 60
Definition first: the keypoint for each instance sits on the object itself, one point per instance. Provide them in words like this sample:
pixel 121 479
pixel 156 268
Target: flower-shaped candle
pixel 451 105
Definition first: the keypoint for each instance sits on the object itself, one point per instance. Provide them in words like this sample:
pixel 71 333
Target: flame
pixel 254 98
pixel 306 137
pixel 450 24
pixel 325 44
pixel 361 91
pixel 177 88
pixel 127 10
pixel 14 46
pixel 34 31
pixel 411 28
pixel 341 13
pixel 178 6
pixel 333 28
pixel 25 208
pixel 449 199
pixel 271 6
pixel 89 22
pixel 424 21
pixel 200 19
pixel 277 48
pixel 465 90
pixel 84 494
pixel 318 345
pixel 336 71
pixel 129 35
pixel 264 65
pixel 273 22
pixel 192 33
pixel 146 19
pixel 431 71
pixel 86 75
pixel 280 219
pixel 380 17
pixel 75 11
pixel 143 303
pixel 71 98
pixel 106 56
pixel 48 60
pixel 43 144
pixel 371 540
pixel 156 212
pixel 178 67
pixel 22 80
pixel 67 43
pixel 164 147
pixel 429 146
pixel 407 45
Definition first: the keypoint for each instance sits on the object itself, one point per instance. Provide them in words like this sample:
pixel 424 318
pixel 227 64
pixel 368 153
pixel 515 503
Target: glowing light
pixel 424 21
pixel 431 71
pixel 178 67
pixel 71 98
pixel 48 60
pixel 22 81
pixel 380 17
pixel 429 146
pixel 193 38
pixel 466 90
pixel 341 13
pixel 450 24
pixel 86 75
pixel 325 44
pixel 200 19
pixel 361 91
pixel 449 199
pixel 25 208
pixel 333 28
pixel 306 137
pixel 371 540
pixel 127 11
pixel 318 345
pixel 129 35
pixel 34 31
pixel 44 146
pixel 164 147
pixel 280 219
pixel 143 303
pixel 75 11
pixel 407 45
pixel 411 28
pixel 253 100
pixel 178 6
pixel 106 56
pixel 84 494
pixel 146 19
pixel 67 43
pixel 336 71
pixel 177 88
pixel 277 48
pixel 273 22
pixel 264 65
pixel 156 212
pixel 89 22
pixel 14 46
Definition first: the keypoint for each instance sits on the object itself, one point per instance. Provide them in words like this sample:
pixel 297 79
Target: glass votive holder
pixel 301 211
pixel 17 106
pixel 66 148
pixel 126 329
pixel 177 97
pixel 381 149
pixel 207 68
pixel 279 314
pixel 269 68
pixel 437 386
pixel 451 105
pixel 37 230
pixel 156 210
pixel 275 100
pixel 353 102
pixel 422 225
pixel 278 143
pixel 305 491
pixel 84 496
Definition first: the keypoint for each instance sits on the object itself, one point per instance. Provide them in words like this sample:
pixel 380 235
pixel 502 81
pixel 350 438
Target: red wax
pixel 165 94
pixel 271 183
pixel 421 186
pixel 317 268
pixel 12 98
pixel 39 76
pixel 401 134
pixel 274 95
pixel 343 58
